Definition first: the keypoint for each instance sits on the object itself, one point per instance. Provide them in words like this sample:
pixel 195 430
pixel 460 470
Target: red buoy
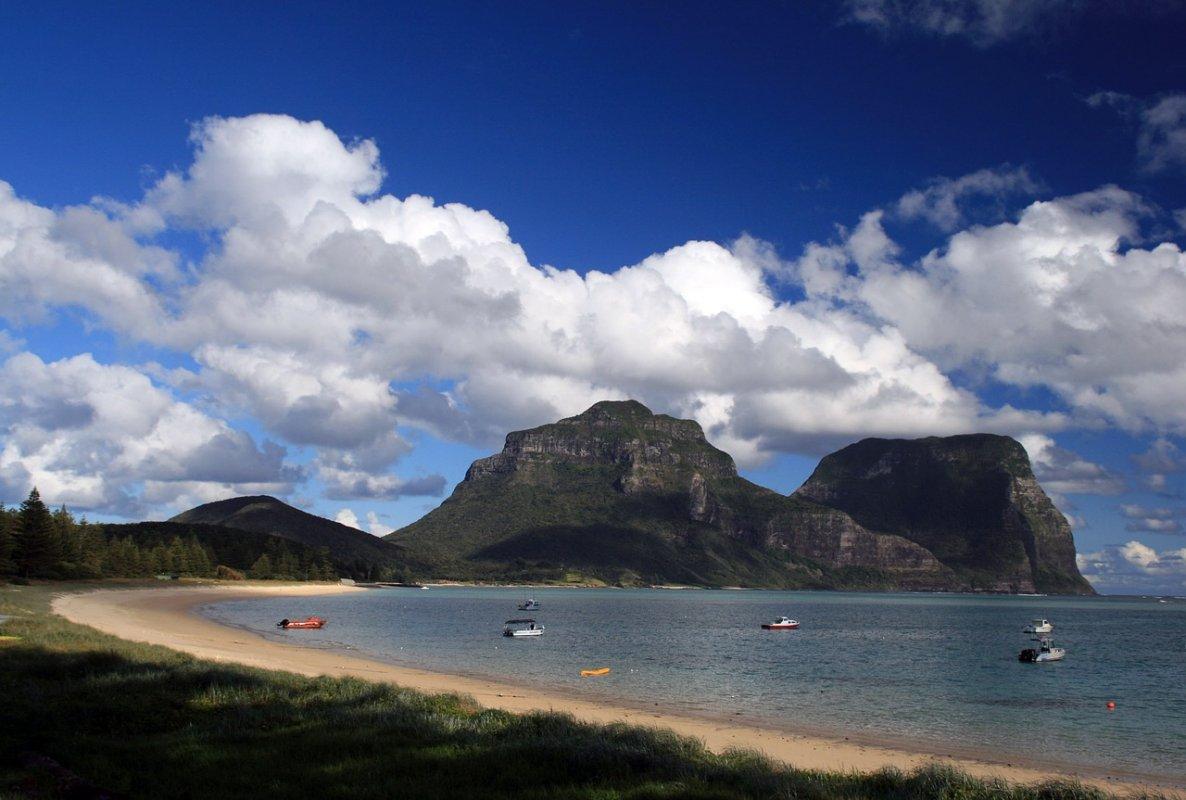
pixel 1111 705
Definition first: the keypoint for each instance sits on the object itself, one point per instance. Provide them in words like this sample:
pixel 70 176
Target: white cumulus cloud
pixel 90 435
pixel 334 314
pixel 1135 566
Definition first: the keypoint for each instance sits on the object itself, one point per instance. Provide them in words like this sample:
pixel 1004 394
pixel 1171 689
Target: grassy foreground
pixel 83 714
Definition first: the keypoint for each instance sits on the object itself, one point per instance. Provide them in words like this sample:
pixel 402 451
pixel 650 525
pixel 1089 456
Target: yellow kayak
pixel 589 673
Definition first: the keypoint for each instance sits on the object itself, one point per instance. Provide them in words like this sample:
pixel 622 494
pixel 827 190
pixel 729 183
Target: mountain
pixel 625 496
pixel 972 501
pixel 359 554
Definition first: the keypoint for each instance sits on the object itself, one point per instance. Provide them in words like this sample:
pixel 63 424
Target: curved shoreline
pixel 168 616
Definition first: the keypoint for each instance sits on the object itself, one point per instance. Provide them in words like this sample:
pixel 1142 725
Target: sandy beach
pixel 166 616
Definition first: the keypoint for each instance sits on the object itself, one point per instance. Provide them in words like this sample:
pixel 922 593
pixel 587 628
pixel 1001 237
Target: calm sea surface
pixel 936 671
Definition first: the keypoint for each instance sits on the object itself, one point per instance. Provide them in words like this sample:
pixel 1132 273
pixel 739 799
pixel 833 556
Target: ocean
pixel 936 672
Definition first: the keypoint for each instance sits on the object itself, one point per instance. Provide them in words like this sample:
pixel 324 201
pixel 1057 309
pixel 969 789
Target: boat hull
pixel 1031 656
pixel 1044 657
pixel 770 626
pixel 521 634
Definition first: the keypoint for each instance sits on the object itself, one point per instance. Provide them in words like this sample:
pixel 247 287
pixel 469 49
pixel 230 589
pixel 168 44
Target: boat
pixel 593 673
pixel 1044 652
pixel 1039 626
pixel 522 627
pixel 781 624
pixel 308 622
pixel 529 605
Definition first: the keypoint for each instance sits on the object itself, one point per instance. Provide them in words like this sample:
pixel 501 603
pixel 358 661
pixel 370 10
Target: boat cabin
pixel 522 627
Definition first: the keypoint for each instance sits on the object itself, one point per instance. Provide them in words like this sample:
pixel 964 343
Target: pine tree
pixel 92 546
pixel 7 541
pixel 66 530
pixel 287 567
pixel 199 559
pixel 262 568
pixel 157 559
pixel 112 562
pixel 326 570
pixel 178 558
pixel 38 544
pixel 136 563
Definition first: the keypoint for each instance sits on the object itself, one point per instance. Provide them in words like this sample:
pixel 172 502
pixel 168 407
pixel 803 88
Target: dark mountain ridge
pixel 971 500
pixel 356 553
pixel 626 496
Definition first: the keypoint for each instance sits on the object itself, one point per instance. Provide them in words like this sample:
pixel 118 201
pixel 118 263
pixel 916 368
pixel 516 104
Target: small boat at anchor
pixel 1044 652
pixel 308 622
pixel 781 624
pixel 522 627
pixel 529 605
pixel 1039 626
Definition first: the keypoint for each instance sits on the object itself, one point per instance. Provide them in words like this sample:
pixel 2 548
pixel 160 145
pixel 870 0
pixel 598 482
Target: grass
pixel 81 708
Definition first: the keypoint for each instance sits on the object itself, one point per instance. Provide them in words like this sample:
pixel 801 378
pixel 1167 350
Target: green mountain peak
pixel 620 494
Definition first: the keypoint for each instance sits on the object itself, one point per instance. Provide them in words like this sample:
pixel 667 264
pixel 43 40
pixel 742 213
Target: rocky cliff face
pixel 972 501
pixel 624 495
pixel 651 449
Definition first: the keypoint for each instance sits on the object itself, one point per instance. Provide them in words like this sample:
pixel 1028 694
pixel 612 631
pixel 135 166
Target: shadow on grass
pixel 143 721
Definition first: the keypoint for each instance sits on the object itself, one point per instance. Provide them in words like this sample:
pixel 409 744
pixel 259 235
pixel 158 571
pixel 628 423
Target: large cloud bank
pixel 334 316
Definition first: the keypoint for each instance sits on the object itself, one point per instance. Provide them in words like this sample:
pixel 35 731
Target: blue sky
pixel 800 224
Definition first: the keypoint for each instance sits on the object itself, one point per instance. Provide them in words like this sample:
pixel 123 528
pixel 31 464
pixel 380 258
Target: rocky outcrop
pixel 819 534
pixel 972 501
pixel 649 447
pixel 625 495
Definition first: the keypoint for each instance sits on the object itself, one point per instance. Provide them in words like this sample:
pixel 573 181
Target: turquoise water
pixel 935 671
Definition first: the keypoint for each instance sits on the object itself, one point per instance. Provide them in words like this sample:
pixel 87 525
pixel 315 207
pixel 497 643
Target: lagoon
pixel 935 672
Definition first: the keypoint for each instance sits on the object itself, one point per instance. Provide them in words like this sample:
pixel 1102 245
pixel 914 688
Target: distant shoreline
pixel 168 616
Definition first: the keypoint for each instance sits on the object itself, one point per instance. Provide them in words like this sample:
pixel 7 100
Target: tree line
pixel 38 543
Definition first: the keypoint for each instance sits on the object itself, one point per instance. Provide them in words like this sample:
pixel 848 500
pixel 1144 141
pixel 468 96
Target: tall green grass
pixel 144 721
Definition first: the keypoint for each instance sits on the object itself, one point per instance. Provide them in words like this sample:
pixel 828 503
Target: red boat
pixel 781 624
pixel 311 622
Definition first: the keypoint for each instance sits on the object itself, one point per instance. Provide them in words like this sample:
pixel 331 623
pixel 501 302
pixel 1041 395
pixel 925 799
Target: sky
pixel 335 253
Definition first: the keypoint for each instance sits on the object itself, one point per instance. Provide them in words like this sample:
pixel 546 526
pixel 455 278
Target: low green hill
pixel 357 554
pixel 236 548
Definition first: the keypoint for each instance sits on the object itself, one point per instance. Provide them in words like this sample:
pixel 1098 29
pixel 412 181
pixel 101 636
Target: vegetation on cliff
pixel 971 500
pixel 621 495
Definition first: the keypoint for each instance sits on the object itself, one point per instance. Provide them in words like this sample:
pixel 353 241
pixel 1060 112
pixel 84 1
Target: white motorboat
pixel 1040 626
pixel 522 627
pixel 1045 651
pixel 781 624
pixel 529 605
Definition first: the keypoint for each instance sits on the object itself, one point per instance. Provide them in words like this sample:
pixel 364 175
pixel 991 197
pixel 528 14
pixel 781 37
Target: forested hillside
pixel 36 542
